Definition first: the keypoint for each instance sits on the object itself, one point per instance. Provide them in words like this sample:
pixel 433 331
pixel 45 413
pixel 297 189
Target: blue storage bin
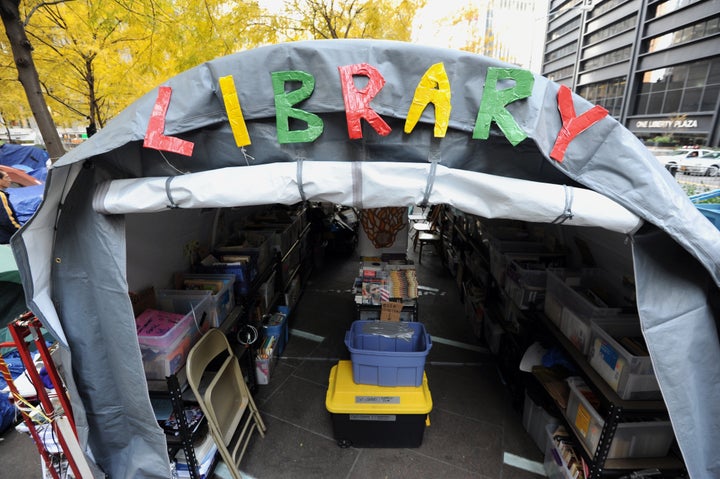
pixel 385 353
pixel 276 325
pixel 243 272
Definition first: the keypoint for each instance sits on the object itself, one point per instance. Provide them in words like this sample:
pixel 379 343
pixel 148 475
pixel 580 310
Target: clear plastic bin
pixel 536 421
pixel 643 438
pixel 222 299
pixel 554 463
pixel 164 354
pixel 630 375
pixel 573 298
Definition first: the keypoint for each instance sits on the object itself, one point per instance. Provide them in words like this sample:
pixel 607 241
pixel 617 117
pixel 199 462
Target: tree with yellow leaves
pixel 326 19
pixel 21 49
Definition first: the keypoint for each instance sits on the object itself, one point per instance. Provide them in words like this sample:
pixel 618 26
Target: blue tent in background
pixel 33 161
pixel 26 201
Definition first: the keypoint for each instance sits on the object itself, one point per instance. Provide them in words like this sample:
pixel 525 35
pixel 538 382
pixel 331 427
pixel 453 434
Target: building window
pixel 689 88
pixel 615 56
pixel 561 74
pixel 564 29
pixel 608 94
pixel 663 8
pixel 611 30
pixel 689 33
pixel 561 52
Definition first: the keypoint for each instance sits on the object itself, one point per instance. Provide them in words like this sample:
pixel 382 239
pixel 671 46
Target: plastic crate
pixel 222 296
pixel 525 283
pixel 244 273
pixel 536 421
pixel 574 298
pixel 255 245
pixel 630 375
pixel 388 353
pixel 643 438
pixel 555 465
pixel 503 252
pixel 493 333
pixel 165 349
pixel 376 416
pixel 276 325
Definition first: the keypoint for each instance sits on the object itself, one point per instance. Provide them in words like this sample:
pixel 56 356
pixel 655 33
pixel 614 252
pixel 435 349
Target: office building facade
pixel 653 64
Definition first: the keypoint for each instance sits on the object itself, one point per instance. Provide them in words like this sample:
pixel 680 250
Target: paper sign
pixel 582 420
pixel 390 311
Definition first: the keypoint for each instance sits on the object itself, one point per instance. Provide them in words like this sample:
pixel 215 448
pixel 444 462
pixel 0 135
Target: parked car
pixel 707 164
pixel 675 156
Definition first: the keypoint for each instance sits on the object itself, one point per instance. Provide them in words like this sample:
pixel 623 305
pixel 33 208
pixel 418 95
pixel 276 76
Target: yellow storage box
pixel 376 416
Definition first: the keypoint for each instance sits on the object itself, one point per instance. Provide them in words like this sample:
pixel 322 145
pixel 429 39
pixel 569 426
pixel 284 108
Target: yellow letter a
pixel 434 87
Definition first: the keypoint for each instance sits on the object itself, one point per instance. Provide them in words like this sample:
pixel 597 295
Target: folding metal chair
pixel 226 400
pixel 427 232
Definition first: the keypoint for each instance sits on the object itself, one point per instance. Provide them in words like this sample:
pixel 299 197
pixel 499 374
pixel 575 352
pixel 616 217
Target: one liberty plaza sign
pixel 432 87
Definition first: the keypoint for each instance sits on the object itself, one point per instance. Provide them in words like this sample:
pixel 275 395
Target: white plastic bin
pixel 536 421
pixel 631 375
pixel 554 463
pixel 573 298
pixel 164 350
pixel 643 438
pixel 222 300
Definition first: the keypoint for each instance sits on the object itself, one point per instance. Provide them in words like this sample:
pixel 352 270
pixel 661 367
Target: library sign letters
pixel 433 87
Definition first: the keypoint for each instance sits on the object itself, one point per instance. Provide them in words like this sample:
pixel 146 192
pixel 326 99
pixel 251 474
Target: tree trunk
pixel 28 76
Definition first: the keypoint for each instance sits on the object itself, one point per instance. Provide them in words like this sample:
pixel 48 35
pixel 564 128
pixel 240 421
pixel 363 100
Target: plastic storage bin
pixel 221 287
pixel 387 353
pixel 573 298
pixel 631 375
pixel 525 283
pixel 243 271
pixel 165 349
pixel 376 416
pixel 276 325
pixel 555 465
pixel 646 438
pixel 536 421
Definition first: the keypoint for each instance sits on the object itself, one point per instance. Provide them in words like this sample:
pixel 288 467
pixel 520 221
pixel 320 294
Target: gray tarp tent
pixel 72 258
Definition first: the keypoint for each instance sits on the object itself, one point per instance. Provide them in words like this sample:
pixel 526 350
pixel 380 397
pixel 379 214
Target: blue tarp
pixel 31 159
pixel 26 200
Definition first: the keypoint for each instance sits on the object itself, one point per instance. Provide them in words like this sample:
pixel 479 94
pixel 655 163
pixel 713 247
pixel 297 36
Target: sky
pixel 433 27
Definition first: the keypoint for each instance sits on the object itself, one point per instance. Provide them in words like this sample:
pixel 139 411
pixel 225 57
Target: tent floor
pixel 475 432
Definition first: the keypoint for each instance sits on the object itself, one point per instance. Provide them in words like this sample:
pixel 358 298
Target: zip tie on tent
pixel 170 164
pixel 246 156
pixel 567 214
pixel 172 204
pixel 299 178
pixel 434 159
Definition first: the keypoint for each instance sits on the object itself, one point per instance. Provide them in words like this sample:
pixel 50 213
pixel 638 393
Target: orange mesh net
pixel 381 225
